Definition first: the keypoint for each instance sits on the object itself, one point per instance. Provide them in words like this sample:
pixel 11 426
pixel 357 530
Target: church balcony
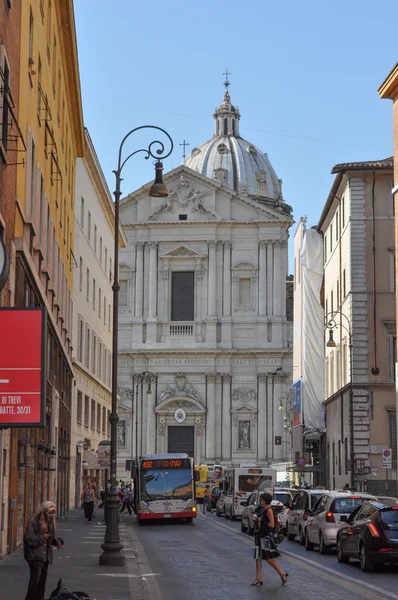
pixel 177 332
pixel 180 329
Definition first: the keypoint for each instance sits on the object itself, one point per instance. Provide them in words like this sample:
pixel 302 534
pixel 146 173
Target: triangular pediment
pixel 244 409
pixel 181 252
pixel 195 197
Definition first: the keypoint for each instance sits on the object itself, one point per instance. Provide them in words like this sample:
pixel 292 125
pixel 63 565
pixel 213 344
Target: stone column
pixel 227 280
pixel 269 416
pixel 262 279
pixel 153 277
pixel 262 417
pixel 198 289
pixel 139 277
pixel 211 416
pixel 269 279
pixel 212 289
pixel 164 306
pixel 279 451
pixel 278 275
pixel 226 417
pixel 284 267
pixel 151 420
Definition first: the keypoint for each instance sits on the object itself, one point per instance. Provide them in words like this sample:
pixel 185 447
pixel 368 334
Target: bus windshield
pixel 249 483
pixel 163 484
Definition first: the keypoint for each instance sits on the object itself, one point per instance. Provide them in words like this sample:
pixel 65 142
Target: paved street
pixel 167 561
pixel 213 556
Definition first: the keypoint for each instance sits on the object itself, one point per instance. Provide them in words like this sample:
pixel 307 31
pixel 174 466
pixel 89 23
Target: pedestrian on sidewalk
pixel 265 547
pixel 206 500
pixel 88 502
pixel 127 499
pixel 40 537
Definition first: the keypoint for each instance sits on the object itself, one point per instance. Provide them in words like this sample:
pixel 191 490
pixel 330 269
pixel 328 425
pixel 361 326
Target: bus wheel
pixel 189 520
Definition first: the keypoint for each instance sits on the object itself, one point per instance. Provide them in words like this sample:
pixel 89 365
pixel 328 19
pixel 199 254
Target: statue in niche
pixel 121 433
pixel 244 435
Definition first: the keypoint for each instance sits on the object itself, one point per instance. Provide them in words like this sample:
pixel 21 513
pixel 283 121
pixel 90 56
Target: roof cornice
pixel 67 29
pixel 389 87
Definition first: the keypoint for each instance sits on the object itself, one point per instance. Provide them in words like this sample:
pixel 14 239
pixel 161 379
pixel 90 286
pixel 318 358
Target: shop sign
pixel 22 367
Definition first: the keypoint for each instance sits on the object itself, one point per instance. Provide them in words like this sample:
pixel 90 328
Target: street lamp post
pixel 330 324
pixel 112 546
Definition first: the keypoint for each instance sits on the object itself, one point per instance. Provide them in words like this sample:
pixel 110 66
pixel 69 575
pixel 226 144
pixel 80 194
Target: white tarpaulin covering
pixel 313 378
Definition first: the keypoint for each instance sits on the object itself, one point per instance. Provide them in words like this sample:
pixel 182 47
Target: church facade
pixel 203 308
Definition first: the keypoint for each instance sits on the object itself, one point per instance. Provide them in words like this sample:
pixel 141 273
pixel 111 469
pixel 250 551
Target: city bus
pixel 164 487
pixel 239 483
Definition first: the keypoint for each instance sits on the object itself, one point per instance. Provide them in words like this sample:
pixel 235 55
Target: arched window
pixel 225 126
pixel 233 126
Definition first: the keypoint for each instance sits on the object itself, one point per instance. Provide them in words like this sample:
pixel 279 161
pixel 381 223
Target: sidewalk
pixel 77 563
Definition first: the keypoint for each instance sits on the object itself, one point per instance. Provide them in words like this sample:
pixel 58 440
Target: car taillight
pixel 355 497
pixel 330 517
pixel 385 549
pixel 373 530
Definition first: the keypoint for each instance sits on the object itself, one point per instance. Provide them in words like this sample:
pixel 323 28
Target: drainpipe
pixel 375 369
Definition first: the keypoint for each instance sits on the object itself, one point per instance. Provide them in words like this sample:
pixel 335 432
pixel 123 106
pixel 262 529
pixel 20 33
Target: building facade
pixel 203 308
pixel 389 90
pixel 50 119
pixel 11 139
pixel 92 319
pixel 357 225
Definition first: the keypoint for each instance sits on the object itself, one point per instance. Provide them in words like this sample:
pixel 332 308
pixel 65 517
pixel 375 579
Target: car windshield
pixel 283 497
pixel 347 505
pixel 315 498
pixel 249 483
pixel 165 484
pixel 390 517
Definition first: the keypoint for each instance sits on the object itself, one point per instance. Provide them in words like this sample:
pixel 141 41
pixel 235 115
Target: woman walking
pixel 89 502
pixel 265 548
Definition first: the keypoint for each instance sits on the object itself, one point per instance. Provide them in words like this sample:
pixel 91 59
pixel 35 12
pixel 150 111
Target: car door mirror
pixel 243 503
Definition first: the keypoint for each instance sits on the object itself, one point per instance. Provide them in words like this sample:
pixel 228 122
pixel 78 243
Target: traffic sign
pixel 387 466
pixel 386 456
pixel 301 462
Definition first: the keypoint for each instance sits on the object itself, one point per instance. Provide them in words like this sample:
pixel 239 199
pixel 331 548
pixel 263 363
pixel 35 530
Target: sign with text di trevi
pixel 386 458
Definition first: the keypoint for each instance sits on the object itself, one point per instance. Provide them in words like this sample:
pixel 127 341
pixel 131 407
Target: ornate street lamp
pixel 330 325
pixel 112 546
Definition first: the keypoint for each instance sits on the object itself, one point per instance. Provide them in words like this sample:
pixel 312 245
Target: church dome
pixel 234 162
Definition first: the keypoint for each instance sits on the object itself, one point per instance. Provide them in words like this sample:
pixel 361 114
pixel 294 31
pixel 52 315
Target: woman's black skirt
pixel 265 548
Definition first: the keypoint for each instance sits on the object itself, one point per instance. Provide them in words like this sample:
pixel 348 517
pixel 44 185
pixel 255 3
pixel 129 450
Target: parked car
pixel 303 503
pixel 387 499
pixel 249 511
pixel 214 496
pixel 370 534
pixel 327 516
pixel 286 496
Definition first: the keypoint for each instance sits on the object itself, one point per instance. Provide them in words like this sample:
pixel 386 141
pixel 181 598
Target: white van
pixel 239 483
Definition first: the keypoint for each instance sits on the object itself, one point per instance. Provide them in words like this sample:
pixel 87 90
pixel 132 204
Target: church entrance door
pixel 181 439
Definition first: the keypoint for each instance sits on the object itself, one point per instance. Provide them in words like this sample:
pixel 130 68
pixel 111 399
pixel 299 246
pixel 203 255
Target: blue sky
pixel 304 75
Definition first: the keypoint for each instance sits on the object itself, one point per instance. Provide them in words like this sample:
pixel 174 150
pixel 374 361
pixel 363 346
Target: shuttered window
pixel 183 296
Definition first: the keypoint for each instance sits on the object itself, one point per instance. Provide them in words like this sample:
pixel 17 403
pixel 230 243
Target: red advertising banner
pixel 22 367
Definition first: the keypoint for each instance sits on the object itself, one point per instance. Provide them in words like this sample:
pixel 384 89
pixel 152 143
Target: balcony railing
pixel 180 329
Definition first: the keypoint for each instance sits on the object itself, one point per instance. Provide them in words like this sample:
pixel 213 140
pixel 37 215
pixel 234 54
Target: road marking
pixel 130 575
pixel 313 563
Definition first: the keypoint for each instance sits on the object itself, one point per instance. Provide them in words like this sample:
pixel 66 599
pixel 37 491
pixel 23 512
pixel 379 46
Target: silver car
pixel 249 511
pixel 286 496
pixel 330 511
pixel 303 503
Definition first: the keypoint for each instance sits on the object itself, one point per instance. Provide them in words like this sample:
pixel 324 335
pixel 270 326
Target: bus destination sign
pixel 167 463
